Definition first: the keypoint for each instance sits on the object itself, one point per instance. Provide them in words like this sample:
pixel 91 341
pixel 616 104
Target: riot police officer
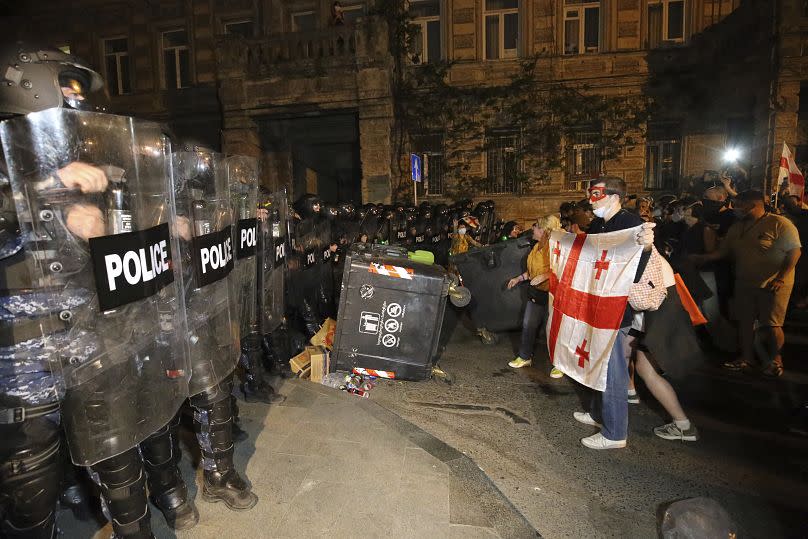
pixel 204 223
pixel 51 154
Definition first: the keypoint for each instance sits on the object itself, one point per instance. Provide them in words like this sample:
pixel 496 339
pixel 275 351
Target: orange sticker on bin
pixel 373 372
pixel 391 271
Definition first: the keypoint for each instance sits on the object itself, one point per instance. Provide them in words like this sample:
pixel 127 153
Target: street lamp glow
pixel 731 155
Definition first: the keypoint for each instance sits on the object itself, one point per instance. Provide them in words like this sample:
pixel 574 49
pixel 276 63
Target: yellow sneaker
pixel 518 363
pixel 555 373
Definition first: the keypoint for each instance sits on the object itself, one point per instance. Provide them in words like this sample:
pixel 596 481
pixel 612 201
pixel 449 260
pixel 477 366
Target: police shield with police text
pixel 273 244
pixel 94 203
pixel 204 223
pixel 242 173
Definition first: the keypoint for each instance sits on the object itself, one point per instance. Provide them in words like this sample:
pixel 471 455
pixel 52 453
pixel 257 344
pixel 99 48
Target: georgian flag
pixel 591 275
pixel 790 173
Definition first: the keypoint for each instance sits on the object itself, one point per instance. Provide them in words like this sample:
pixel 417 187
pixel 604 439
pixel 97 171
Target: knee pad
pixel 30 486
pixel 212 395
pixel 123 486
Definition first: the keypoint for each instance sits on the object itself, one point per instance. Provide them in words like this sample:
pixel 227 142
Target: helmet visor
pixel 78 92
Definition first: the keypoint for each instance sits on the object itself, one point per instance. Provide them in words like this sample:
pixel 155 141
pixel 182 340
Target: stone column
pixel 374 153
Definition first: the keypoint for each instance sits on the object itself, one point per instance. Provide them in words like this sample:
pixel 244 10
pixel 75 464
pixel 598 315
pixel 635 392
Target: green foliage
pixel 545 112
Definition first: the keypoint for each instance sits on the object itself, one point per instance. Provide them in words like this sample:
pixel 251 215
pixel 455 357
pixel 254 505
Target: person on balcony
pixel 337 14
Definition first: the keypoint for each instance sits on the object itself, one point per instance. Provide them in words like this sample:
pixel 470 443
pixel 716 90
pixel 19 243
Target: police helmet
pixel 38 78
pixel 330 212
pixel 345 210
pixel 308 206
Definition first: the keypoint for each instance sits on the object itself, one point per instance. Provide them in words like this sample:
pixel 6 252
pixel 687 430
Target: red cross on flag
pixel 591 275
pixel 790 173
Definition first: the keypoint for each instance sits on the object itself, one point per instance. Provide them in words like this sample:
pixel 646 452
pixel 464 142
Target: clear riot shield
pixel 305 271
pixel 93 194
pixel 204 224
pixel 326 305
pixel 273 244
pixel 242 177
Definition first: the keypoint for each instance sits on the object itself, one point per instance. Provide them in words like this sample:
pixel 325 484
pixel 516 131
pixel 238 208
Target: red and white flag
pixel 790 173
pixel 591 275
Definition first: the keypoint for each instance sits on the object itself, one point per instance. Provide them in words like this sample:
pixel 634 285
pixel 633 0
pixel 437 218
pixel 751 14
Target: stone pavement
pixel 328 464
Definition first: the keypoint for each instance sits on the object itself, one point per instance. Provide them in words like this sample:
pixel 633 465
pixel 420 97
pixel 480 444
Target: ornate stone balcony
pixel 343 46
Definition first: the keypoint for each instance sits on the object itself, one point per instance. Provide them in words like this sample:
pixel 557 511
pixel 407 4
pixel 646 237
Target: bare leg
pixel 659 387
pixel 631 368
pixel 773 340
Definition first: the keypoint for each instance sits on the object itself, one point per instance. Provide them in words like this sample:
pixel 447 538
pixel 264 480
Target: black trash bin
pixel 485 273
pixel 390 312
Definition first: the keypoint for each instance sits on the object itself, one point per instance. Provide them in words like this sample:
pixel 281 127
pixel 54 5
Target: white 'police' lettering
pixel 136 266
pixel 216 256
pixel 247 237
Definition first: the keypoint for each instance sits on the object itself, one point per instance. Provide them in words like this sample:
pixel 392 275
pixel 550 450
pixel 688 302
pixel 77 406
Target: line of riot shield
pixel 204 224
pixel 306 262
pixel 94 197
pixel 242 175
pixel 273 244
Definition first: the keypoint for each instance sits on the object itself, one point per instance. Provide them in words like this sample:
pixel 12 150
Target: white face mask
pixel 603 211
pixel 601 208
pixel 676 217
pixel 461 231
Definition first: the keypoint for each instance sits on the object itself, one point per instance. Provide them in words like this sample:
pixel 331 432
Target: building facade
pixel 311 89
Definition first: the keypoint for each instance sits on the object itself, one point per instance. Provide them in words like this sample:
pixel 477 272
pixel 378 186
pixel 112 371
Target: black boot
pixel 167 489
pixel 255 387
pixel 257 390
pixel 213 419
pixel 224 484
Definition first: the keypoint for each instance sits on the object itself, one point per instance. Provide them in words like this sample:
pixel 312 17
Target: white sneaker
pixel 585 418
pixel 597 441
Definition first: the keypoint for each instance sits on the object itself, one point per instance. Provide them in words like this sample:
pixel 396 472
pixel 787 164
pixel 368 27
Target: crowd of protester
pixel 737 253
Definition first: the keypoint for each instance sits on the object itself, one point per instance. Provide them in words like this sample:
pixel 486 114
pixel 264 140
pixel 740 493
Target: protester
pixel 765 248
pixel 538 274
pixel 610 409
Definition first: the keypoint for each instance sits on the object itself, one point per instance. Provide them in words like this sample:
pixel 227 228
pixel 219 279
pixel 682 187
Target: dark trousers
pixel 535 314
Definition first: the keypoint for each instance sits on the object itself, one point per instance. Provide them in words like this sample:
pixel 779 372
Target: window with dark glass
pixel 501 29
pixel 503 163
pixel 583 157
pixel 581 26
pixel 666 21
pixel 176 59
pixel 243 28
pixel 116 65
pixel 430 148
pixel 662 156
pixel 304 21
pixel 353 12
pixel 427 40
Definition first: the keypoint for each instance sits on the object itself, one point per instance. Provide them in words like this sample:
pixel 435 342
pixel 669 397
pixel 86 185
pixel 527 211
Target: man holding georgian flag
pixel 791 174
pixel 589 312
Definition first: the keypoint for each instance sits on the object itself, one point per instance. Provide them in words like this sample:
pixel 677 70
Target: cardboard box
pixel 320 359
pixel 301 362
